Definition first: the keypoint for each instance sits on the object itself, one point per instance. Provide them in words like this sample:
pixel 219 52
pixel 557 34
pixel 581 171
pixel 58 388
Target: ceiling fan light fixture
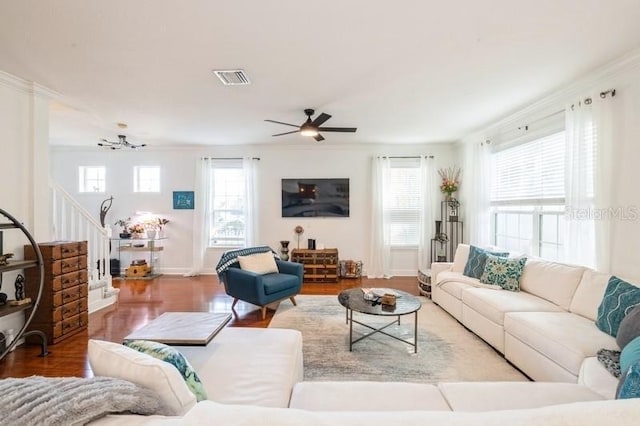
pixel 307 130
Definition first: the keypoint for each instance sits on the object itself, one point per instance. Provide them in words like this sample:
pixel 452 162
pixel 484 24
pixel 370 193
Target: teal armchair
pixel 262 290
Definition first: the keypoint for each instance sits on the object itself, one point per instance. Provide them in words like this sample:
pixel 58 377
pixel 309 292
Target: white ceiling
pixel 408 71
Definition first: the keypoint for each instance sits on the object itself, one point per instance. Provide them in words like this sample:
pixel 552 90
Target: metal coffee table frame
pixel 353 299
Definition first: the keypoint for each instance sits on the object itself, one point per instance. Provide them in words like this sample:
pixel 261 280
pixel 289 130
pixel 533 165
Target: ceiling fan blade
pixel 280 122
pixel 286 133
pixel 338 129
pixel 318 137
pixel 320 119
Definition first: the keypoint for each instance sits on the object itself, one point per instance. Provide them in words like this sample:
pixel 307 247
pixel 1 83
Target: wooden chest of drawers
pixel 320 266
pixel 63 307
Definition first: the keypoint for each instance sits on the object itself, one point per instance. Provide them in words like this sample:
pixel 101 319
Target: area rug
pixel 446 350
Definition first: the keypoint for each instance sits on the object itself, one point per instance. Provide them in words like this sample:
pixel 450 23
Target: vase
pixel 125 235
pixel 284 250
pixel 151 234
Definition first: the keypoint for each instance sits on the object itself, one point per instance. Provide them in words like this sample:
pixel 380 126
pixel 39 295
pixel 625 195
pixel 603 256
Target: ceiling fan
pixel 122 142
pixel 312 127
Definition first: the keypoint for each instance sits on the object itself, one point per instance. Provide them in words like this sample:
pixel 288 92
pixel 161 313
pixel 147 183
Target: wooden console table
pixel 320 266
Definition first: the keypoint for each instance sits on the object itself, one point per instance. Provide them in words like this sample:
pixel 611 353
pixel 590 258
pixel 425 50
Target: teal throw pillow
pixel 173 357
pixel 619 299
pixel 630 354
pixel 476 261
pixel 503 271
pixel 630 384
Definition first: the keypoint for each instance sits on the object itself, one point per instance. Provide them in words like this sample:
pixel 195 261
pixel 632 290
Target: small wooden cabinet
pixel 320 266
pixel 63 309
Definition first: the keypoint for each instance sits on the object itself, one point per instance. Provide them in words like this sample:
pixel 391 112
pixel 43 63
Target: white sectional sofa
pixel 547 329
pixel 254 376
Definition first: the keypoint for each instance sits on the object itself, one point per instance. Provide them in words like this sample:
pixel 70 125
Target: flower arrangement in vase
pixel 137 230
pixel 450 180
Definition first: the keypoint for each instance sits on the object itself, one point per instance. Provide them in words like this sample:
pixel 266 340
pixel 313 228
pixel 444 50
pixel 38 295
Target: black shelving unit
pixel 8 222
pixel 452 228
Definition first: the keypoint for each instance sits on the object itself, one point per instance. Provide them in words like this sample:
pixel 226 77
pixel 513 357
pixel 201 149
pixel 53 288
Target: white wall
pixel 24 164
pixel 624 76
pixel 312 160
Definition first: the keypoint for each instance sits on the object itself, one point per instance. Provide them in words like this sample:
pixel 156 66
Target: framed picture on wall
pixel 183 200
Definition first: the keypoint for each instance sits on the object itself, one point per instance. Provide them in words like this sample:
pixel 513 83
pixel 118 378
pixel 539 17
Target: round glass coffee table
pixel 354 300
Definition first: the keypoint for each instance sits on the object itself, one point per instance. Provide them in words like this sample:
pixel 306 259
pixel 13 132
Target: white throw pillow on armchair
pixel 261 263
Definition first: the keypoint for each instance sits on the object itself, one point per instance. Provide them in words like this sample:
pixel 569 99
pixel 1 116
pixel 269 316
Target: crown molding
pixel 28 87
pixel 559 97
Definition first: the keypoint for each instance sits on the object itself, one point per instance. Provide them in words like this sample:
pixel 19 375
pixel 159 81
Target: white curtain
pixel 380 254
pixel 202 214
pixel 476 190
pixel 429 206
pixel 249 168
pixel 587 169
pixel 603 182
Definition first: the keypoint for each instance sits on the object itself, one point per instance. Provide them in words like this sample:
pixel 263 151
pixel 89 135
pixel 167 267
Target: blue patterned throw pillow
pixel 172 356
pixel 503 271
pixel 476 261
pixel 619 299
pixel 630 384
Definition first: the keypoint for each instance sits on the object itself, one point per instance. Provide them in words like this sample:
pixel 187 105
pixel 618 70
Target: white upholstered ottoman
pixel 249 366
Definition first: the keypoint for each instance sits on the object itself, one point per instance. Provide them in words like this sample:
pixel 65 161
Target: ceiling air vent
pixel 232 77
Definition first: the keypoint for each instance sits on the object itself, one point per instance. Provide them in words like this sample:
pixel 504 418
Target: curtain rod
pixel 546 117
pixel 228 158
pixel 415 156
pixel 587 100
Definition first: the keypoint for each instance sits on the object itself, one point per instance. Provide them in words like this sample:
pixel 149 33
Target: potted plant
pixel 124 223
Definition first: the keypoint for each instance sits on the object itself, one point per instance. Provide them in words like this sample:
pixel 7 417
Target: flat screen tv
pixel 315 197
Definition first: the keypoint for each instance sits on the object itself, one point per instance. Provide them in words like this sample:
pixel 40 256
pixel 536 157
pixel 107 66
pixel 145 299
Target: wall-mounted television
pixel 315 197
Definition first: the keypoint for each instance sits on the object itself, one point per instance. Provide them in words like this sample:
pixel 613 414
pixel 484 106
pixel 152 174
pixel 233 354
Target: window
pixel 91 179
pixel 402 201
pixel 146 179
pixel 227 198
pixel 528 196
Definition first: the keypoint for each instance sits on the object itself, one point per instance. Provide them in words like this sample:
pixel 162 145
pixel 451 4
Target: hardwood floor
pixel 141 301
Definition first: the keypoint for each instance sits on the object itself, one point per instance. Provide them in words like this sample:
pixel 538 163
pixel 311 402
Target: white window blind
pixel 402 201
pixel 532 173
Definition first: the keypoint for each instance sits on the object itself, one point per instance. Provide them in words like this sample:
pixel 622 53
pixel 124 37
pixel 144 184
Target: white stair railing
pixel 71 221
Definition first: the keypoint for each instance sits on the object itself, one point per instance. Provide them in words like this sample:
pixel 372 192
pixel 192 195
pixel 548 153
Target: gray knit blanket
pixel 72 401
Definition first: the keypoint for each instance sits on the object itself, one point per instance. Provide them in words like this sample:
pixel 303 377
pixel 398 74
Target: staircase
pixel 71 221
